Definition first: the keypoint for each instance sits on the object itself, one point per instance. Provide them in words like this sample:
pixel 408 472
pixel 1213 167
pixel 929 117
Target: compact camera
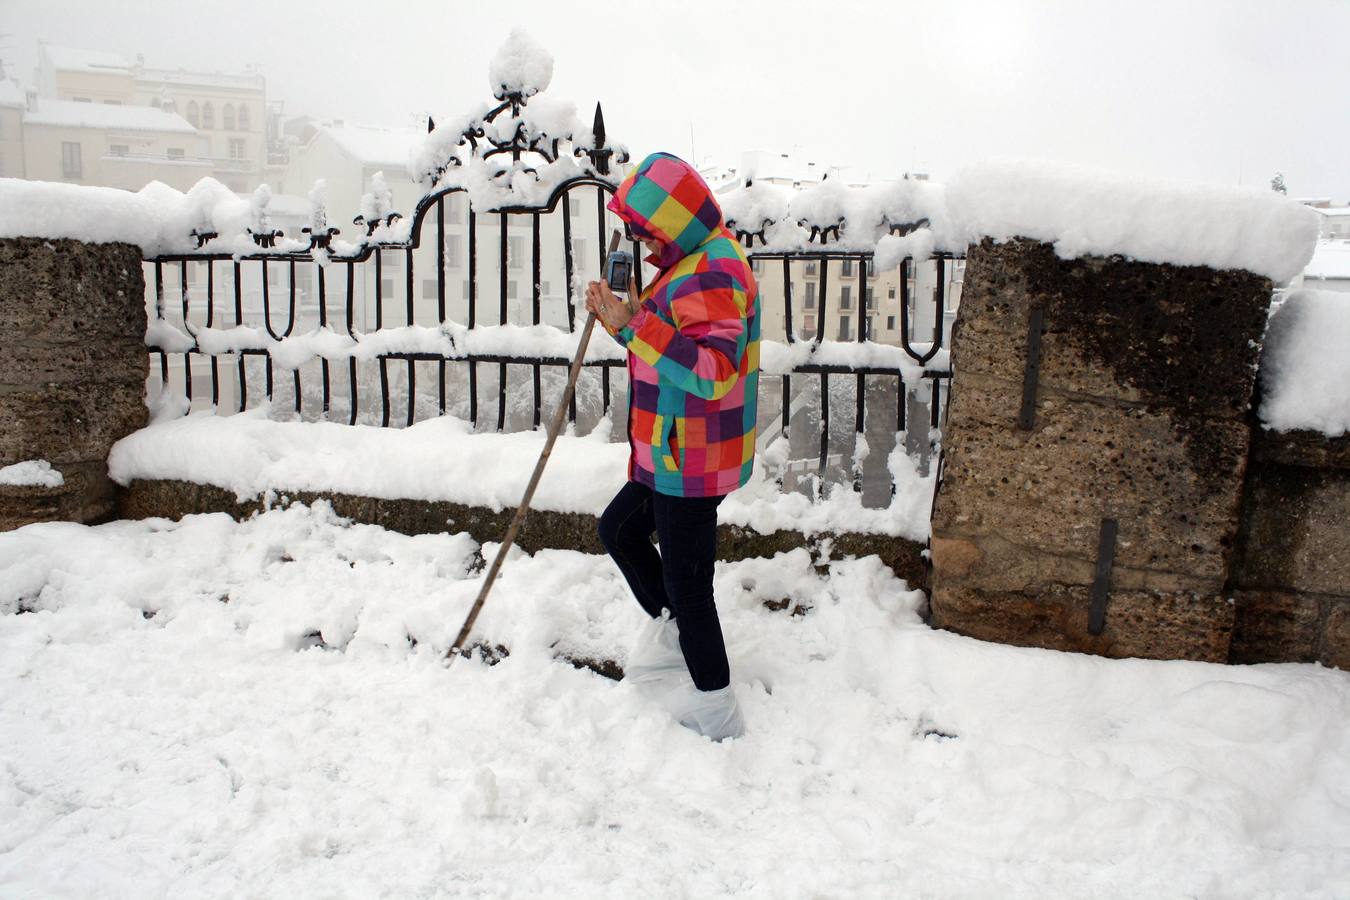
pixel 619 270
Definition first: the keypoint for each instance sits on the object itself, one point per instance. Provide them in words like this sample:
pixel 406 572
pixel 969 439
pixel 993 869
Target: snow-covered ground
pixel 221 709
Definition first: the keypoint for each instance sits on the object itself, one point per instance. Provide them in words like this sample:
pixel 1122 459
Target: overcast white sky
pixel 1214 90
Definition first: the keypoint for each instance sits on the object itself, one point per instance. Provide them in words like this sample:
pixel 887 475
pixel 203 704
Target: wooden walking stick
pixel 554 428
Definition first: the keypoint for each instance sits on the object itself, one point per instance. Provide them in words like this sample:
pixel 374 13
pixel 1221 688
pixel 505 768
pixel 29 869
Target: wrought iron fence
pixel 319 329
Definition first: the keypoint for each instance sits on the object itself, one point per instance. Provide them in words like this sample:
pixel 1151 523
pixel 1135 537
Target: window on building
pixel 454 251
pixel 810 267
pixel 192 113
pixel 871 300
pixel 890 293
pixel 512 290
pixel 847 269
pixel 580 249
pixel 174 152
pixel 515 253
pixel 244 124
pixel 756 265
pixel 871 328
pixel 71 166
pixel 466 289
pixel 112 102
pixel 871 267
pixel 428 288
pixel 227 117
pixel 808 326
pixel 845 330
pixel 208 115
pixel 455 207
pixel 574 207
pixel 168 105
pixel 846 297
pixel 237 148
pixel 810 295
pixel 82 99
pixel 890 323
pixel 386 287
pixel 544 288
pixel 118 149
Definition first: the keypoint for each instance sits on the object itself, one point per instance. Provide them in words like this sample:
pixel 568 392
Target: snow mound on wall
pixel 156 218
pixel 1085 211
pixel 1305 364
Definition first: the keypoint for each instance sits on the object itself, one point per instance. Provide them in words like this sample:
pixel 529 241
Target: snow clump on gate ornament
pixel 521 67
pixel 521 151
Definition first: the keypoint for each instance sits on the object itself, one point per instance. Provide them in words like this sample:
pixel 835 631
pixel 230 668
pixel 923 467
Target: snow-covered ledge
pixel 438 475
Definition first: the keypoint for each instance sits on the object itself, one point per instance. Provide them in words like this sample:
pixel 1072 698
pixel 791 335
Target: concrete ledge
pixel 542 529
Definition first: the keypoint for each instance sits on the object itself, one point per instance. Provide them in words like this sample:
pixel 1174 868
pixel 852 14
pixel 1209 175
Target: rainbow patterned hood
pixel 666 200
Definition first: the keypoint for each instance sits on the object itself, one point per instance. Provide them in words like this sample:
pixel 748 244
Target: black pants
pixel 680 577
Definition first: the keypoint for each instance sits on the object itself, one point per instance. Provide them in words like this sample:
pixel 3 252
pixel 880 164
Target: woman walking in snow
pixel 693 367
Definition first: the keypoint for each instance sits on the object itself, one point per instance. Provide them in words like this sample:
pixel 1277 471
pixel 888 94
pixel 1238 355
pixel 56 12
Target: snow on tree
pixel 1277 183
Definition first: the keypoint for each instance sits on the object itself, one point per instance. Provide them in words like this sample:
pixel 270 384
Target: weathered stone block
pixel 57 291
pixel 1177 625
pixel 1045 491
pixel 1178 338
pixel 1145 377
pixel 26 363
pixel 1295 533
pixel 1274 626
pixel 1335 649
pixel 68 422
pixel 1311 449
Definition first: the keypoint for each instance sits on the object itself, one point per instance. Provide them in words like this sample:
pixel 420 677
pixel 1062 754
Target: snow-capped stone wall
pixel 1137 415
pixel 72 374
pixel 1291 571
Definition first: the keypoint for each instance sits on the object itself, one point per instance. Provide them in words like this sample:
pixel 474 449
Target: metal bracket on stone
pixel 1101 580
pixel 1026 419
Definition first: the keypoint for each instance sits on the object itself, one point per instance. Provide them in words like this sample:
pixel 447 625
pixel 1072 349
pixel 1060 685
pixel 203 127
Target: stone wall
pixel 1291 570
pixel 72 370
pixel 1145 376
pixel 542 529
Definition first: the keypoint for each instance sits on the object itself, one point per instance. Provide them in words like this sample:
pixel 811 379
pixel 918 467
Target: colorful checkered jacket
pixel 693 347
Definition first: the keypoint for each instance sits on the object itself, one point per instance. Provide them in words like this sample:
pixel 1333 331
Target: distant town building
pixel 98 118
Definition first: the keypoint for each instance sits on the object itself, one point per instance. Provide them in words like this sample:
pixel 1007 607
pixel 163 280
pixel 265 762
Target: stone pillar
pixel 1146 373
pixel 1291 573
pixel 73 366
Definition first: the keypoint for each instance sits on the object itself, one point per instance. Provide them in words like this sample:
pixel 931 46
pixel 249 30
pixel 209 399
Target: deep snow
pixel 173 727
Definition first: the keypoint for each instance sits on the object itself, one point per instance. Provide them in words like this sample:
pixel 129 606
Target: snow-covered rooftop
pixel 377 146
pixel 72 59
pixel 114 116
pixel 1332 212
pixel 1330 260
pixel 246 80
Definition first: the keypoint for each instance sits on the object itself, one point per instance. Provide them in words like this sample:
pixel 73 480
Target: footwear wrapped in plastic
pixel 713 714
pixel 655 655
